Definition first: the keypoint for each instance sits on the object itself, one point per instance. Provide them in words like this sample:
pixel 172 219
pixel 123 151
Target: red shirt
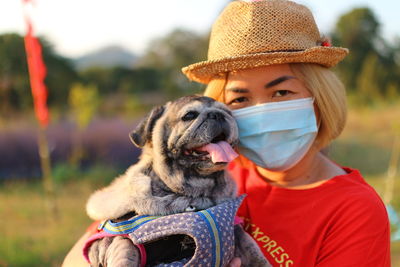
pixel 340 223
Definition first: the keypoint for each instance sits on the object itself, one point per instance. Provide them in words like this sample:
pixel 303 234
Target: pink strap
pixel 142 250
pixel 237 220
pixel 143 255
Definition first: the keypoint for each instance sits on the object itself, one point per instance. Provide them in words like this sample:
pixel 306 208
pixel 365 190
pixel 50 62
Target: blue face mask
pixel 276 136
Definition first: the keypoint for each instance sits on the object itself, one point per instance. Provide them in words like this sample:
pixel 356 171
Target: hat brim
pixel 204 71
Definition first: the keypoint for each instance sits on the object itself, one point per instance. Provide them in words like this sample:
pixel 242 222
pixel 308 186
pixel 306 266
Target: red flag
pixel 28 2
pixel 37 74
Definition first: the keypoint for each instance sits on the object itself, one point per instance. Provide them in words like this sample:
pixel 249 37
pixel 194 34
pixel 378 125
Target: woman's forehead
pixel 265 73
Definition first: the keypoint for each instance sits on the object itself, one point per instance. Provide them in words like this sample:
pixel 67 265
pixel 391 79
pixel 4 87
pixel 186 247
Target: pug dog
pixel 186 145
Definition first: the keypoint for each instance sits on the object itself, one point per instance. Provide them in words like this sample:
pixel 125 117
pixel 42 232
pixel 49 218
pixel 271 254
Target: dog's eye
pixel 191 115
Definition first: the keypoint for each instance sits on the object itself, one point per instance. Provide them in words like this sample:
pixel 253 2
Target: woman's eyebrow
pixel 278 81
pixel 272 83
pixel 237 90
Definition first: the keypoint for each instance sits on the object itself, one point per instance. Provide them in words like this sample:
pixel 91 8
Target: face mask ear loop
pixel 319 122
pixel 316 108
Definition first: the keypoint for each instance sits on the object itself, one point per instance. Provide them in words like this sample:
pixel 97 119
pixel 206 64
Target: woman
pixel 268 63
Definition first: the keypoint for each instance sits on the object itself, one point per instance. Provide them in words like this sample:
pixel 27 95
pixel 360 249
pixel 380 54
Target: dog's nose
pixel 215 116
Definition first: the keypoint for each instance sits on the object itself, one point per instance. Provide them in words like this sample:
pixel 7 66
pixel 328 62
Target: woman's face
pixel 255 86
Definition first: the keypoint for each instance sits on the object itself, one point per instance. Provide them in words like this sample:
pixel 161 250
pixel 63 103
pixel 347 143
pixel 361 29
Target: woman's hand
pixel 235 262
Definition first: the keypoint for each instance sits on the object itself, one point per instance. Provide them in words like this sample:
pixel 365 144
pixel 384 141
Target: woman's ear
pixel 142 134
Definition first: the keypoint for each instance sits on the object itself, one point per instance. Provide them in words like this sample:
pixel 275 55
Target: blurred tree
pixel 367 81
pixel 396 51
pixel 371 66
pixel 136 81
pixel 389 66
pixel 357 30
pixel 393 73
pixel 14 79
pixel 61 75
pixel 122 80
pixel 172 52
pixel 83 102
pixel 15 91
pixel 393 92
pixel 99 76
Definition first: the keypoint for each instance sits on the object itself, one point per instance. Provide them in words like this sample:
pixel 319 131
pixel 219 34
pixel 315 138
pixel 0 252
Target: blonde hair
pixel 323 84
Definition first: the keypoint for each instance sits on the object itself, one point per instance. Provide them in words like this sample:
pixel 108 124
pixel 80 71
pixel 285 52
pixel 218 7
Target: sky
pixel 76 27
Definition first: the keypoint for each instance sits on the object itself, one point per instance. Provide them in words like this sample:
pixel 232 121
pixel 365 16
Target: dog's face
pixel 179 132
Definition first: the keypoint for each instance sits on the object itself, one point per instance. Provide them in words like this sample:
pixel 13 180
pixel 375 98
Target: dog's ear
pixel 143 131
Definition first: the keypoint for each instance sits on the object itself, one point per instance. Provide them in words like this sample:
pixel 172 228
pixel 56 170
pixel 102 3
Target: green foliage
pixel 367 80
pixel 83 102
pixel 31 238
pixel 371 66
pixel 61 75
pixel 361 156
pixel 371 72
pixel 15 93
pixel 99 175
pixel 63 173
pixel 156 78
pixel 122 79
pixel 172 52
pixel 393 92
pixel 14 81
pixel 356 30
pixel 134 106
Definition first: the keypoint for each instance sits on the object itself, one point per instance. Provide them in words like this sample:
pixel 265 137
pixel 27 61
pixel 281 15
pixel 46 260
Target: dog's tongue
pixel 220 152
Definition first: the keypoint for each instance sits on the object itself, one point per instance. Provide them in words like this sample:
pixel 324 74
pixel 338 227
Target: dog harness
pixel 212 231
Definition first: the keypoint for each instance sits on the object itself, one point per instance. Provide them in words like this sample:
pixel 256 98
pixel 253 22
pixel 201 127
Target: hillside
pixel 106 57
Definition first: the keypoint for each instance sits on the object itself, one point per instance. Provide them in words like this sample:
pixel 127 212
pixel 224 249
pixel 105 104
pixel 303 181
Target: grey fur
pixel 165 181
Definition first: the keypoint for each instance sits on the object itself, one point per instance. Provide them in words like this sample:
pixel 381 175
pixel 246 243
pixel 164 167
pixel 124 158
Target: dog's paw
pixel 115 251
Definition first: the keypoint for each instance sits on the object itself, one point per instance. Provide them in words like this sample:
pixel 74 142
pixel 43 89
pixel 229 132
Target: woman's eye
pixel 281 93
pixel 238 100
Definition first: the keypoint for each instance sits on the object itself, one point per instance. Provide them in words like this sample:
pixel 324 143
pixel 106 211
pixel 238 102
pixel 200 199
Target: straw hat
pixel 251 34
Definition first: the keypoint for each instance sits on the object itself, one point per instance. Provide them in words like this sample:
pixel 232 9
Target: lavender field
pixel 104 142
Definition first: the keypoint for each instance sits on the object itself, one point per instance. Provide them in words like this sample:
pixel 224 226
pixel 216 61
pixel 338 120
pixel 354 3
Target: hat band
pixel 261 52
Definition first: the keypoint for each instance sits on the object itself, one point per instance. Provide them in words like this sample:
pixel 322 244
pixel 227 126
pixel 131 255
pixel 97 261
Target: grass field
pixel 31 236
